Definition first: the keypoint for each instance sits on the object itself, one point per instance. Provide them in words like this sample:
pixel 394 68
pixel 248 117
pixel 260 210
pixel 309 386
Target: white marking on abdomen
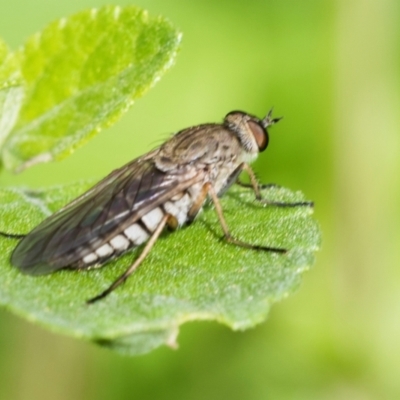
pixel 119 242
pixel 90 258
pixel 105 250
pixel 136 234
pixel 153 218
pixel 179 208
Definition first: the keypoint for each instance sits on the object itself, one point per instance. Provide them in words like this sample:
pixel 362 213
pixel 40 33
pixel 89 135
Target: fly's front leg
pixel 168 220
pixel 208 189
pixel 256 187
pixel 260 185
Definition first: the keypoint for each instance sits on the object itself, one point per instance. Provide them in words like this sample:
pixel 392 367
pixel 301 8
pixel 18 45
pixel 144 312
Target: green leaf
pixel 81 74
pixel 189 275
pixel 11 91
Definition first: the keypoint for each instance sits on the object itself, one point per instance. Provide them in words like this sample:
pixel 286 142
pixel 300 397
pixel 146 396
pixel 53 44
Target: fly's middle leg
pixel 168 220
pixel 209 190
pixel 256 187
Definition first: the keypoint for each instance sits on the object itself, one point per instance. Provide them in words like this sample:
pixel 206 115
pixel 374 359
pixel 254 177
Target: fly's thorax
pixel 214 150
pixel 199 146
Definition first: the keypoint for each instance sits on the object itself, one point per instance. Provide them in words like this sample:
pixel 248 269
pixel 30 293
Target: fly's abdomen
pixel 133 236
pixel 140 231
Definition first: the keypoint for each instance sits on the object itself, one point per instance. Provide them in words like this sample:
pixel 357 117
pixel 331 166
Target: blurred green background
pixel 332 69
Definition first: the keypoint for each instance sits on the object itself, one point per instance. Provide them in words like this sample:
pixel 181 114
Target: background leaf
pixel 81 74
pixel 189 275
pixel 11 91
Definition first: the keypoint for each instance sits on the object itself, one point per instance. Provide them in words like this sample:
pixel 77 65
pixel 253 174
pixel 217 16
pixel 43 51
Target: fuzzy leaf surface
pixel 190 274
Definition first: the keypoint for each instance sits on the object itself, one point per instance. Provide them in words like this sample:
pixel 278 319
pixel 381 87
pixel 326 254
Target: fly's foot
pixel 260 185
pixel 236 242
pixel 287 205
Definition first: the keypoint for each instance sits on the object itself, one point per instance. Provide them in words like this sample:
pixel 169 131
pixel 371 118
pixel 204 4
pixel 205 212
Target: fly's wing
pixel 94 218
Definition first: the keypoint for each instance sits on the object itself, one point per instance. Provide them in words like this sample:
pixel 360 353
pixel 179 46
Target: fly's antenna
pixel 268 120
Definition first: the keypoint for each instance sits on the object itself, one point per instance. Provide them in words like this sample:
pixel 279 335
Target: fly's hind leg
pixel 256 187
pixel 209 190
pixel 13 235
pixel 168 220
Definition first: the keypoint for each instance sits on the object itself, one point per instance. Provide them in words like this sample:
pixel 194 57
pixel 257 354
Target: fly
pixel 166 187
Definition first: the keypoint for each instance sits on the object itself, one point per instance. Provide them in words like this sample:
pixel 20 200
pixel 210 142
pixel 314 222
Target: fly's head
pixel 251 131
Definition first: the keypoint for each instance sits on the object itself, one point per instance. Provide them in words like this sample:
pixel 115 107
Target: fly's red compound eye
pixel 260 135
